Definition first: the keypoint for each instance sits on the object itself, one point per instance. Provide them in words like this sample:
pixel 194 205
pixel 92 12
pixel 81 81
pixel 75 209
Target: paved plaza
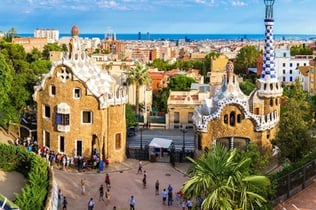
pixel 124 182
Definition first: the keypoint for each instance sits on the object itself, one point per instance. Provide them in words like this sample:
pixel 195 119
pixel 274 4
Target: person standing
pixel 60 197
pixel 157 187
pixel 164 196
pixel 65 202
pixel 140 167
pixel 189 204
pixel 91 204
pixel 101 192
pixel 170 198
pixel 107 181
pixel 83 186
pixel 132 203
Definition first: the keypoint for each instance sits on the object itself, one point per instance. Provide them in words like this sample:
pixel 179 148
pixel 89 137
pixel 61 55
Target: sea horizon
pixel 188 36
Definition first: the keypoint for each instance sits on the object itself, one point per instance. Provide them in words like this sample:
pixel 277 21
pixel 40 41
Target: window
pixel 78 148
pixel 283 64
pixel 190 115
pixel 291 79
pixel 46 111
pixel 239 118
pixel 62 119
pixel 77 93
pixel 52 90
pixel 271 102
pixel 118 141
pixel 283 71
pixel 290 71
pixel 86 117
pixel 176 117
pixel 226 119
pixel 297 65
pixel 61 144
pixel 46 138
pixel 283 79
pixel 291 64
pixel 232 119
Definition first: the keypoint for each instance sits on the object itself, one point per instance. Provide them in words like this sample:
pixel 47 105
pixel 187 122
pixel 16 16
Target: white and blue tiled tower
pixel 268 84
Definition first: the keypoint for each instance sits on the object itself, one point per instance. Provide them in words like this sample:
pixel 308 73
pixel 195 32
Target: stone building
pixel 234 119
pixel 81 107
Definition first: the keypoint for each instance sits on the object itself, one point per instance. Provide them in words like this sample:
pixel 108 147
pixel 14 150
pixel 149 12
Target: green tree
pixel 6 83
pixel 35 55
pixel 246 57
pixel 225 182
pixel 138 76
pixel 180 83
pixel 10 34
pixel 247 86
pixel 131 119
pixel 50 47
pixel 293 137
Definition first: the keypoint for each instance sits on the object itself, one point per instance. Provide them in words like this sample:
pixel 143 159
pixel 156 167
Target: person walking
pixel 60 198
pixel 65 202
pixel 140 167
pixel 83 186
pixel 157 187
pixel 107 181
pixel 101 192
pixel 144 180
pixel 170 198
pixel 91 204
pixel 107 195
pixel 189 204
pixel 132 203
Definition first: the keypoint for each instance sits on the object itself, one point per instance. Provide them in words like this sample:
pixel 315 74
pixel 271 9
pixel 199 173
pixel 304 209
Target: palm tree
pixel 138 76
pixel 224 182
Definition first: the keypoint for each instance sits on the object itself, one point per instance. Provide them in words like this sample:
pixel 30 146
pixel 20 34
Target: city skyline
pixel 162 16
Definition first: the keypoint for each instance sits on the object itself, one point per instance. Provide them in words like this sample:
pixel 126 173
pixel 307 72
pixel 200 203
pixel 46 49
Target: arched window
pixel 239 118
pixel 232 119
pixel 226 119
pixel 271 102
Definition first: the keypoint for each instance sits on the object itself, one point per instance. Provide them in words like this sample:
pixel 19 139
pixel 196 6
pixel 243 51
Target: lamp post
pixel 172 157
pixel 184 131
pixel 141 138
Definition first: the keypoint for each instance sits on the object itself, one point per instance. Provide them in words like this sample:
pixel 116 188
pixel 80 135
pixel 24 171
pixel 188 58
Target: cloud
pixel 238 3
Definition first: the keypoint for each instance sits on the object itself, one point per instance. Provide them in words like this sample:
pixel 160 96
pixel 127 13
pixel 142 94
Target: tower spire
pixel 268 84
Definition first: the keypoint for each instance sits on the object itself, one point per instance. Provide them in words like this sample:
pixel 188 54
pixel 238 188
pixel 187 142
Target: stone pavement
pixel 124 182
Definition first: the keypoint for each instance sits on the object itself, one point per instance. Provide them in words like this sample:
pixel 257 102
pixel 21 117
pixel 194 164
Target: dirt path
pixel 11 183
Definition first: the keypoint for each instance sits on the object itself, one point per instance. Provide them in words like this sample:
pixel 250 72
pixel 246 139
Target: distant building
pixel 30 43
pixel 52 35
pixel 80 107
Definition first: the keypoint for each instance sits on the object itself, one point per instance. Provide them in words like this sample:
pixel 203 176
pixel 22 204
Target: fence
pixel 296 181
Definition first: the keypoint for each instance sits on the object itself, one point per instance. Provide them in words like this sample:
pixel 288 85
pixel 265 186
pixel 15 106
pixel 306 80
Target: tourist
pixel 65 203
pixel 140 167
pixel 144 180
pixel 101 192
pixel 83 186
pixel 107 181
pixel 189 204
pixel 60 197
pixel 184 204
pixel 164 196
pixel 107 195
pixel 132 203
pixel 157 187
pixel 170 188
pixel 170 199
pixel 91 204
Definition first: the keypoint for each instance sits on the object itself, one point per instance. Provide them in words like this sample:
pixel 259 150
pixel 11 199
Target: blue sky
pixel 157 16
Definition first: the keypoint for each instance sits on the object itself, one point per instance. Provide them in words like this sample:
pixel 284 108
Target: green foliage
pixel 10 35
pixel 138 76
pixel 180 83
pixel 34 168
pixel 224 180
pixel 293 138
pixel 131 119
pixel 160 100
pixel 300 50
pixel 247 86
pixel 50 47
pixel 246 57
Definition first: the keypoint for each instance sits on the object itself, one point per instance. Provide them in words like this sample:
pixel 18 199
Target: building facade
pixel 52 35
pixel 81 108
pixel 234 119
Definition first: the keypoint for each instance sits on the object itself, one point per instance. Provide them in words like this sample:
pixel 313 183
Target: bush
pixel 34 168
